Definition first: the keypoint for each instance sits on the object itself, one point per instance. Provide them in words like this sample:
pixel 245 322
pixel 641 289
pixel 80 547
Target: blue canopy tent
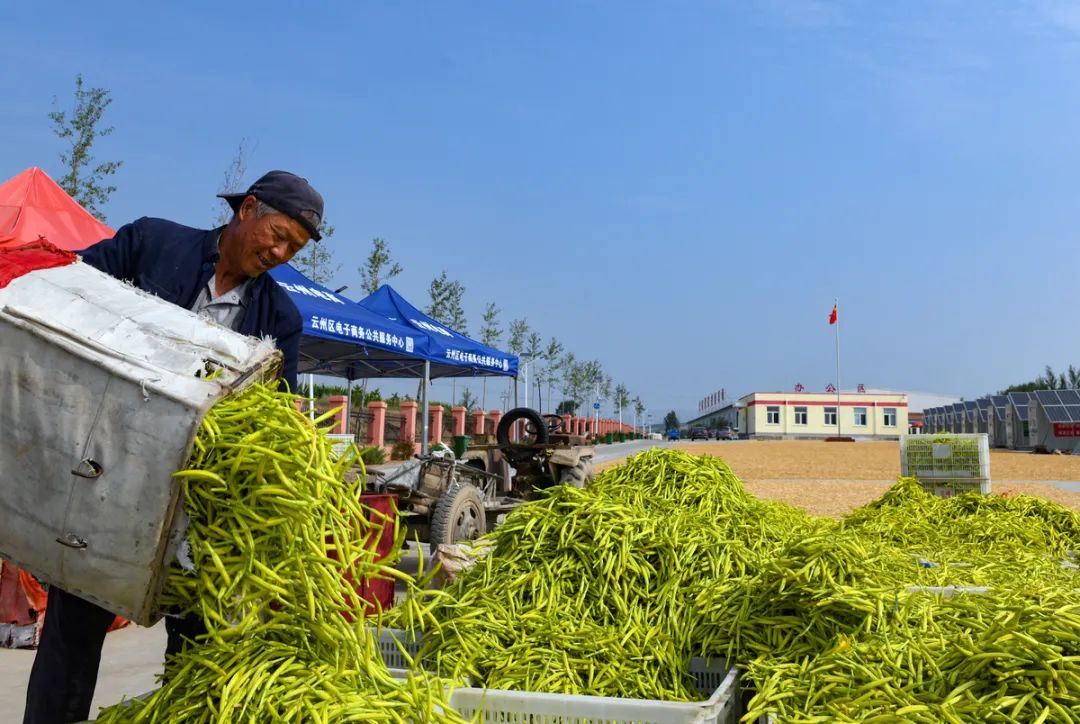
pixel 347 339
pixel 451 354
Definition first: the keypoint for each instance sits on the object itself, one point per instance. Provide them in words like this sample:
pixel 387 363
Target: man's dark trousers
pixel 65 669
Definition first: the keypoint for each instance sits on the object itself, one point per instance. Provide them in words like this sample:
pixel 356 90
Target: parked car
pixel 727 433
pixel 673 434
pixel 699 433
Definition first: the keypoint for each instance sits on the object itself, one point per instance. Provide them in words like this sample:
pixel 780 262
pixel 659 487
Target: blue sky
pixel 677 188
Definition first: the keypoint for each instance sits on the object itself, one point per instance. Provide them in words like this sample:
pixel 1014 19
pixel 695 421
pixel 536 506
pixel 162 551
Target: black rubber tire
pixel 502 432
pixel 574 477
pixel 459 515
pixel 578 476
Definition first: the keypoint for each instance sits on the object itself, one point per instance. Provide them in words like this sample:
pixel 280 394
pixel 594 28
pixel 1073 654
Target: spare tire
pixel 534 424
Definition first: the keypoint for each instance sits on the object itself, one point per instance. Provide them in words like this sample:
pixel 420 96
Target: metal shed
pixel 1016 421
pixel 995 422
pixel 982 414
pixel 1054 419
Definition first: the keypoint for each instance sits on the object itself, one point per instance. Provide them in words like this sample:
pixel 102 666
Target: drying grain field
pixel 833 478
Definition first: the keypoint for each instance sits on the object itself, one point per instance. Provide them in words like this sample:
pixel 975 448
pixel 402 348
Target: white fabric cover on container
pixel 102 389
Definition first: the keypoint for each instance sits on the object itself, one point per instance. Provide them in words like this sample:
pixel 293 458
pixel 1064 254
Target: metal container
pixel 102 389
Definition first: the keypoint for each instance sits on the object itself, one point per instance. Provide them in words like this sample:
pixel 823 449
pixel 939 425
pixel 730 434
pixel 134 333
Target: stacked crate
pixel 947 465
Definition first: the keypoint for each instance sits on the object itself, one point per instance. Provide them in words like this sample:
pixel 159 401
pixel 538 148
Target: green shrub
pixel 403 449
pixel 373 455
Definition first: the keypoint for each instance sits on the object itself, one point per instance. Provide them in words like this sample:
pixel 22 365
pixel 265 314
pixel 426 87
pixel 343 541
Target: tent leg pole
pixel 424 433
pixel 348 403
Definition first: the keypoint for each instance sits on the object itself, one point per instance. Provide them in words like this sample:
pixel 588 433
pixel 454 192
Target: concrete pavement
pixel 130 661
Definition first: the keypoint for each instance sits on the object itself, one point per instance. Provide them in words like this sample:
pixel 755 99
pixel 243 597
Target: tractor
pixel 444 499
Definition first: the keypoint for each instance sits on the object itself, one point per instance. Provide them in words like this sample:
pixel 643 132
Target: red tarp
pixel 18 260
pixel 33 206
pixel 40 226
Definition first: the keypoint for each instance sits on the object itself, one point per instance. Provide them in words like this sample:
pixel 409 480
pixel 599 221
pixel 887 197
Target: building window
pixel 860 417
pixel 800 416
pixel 890 417
pixel 830 415
pixel 772 415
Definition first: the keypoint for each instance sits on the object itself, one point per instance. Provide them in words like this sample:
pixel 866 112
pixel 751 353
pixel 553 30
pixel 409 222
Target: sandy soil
pixel 833 478
pixel 818 460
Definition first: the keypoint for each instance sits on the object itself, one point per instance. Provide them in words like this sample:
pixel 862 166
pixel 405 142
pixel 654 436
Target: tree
pixel 83 180
pixel 621 399
pixel 468 400
pixel 573 382
pixel 552 361
pixel 379 268
pixel 566 407
pixel 519 331
pixel 489 335
pixel 444 303
pixel 639 411
pixel 1050 380
pixel 534 349
pixel 231 182
pixel 490 332
pixel 582 381
pixel 444 306
pixel 671 421
pixel 316 260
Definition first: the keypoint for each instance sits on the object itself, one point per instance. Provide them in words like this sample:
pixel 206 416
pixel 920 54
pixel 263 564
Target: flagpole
pixel 836 306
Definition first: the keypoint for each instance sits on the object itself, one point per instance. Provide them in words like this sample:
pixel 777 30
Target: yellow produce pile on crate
pixel 611 590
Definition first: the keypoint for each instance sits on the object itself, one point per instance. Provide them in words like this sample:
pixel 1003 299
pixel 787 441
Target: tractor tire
pixel 577 476
pixel 459 515
pixel 532 417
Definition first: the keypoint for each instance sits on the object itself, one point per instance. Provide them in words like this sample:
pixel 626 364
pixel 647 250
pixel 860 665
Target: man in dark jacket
pixel 219 274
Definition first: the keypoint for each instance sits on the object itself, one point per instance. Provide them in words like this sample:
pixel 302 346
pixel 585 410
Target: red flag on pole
pixel 832 315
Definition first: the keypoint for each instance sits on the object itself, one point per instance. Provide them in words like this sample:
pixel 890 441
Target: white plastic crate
pixel 945 456
pixel 947 464
pixel 497 705
pixel 388 645
pixel 715 680
pixel 948 488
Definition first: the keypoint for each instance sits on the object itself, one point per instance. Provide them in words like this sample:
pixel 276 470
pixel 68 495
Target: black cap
pixel 288 193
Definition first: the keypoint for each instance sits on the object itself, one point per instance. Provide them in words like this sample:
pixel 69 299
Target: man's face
pixel 261 244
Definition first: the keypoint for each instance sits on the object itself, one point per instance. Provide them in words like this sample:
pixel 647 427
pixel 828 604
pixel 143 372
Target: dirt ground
pixel 833 478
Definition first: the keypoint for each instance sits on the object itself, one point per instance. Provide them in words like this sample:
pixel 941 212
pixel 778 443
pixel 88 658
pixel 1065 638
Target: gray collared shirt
pixel 227 309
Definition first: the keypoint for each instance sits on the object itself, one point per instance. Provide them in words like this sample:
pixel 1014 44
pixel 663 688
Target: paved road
pixel 131 658
pixel 619 450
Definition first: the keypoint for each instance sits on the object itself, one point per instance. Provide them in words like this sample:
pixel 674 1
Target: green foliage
pixel 444 303
pixel 1049 381
pixel 566 407
pixel 373 455
pixel 316 259
pixel 671 421
pixel 379 268
pixel 622 397
pixel 489 328
pixel 403 449
pixel 83 180
pixel 519 330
